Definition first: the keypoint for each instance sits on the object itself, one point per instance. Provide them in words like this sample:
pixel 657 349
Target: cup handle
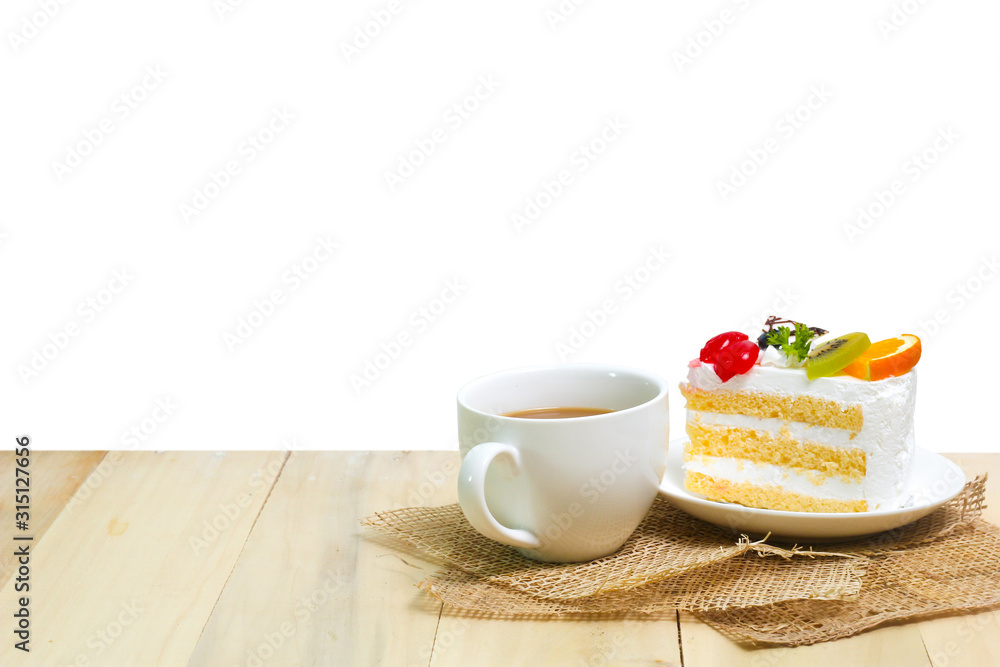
pixel 472 495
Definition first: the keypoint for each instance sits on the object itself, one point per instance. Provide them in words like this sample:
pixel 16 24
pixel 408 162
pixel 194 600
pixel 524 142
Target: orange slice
pixel 886 358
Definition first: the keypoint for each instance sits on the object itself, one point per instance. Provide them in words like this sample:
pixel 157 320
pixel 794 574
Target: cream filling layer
pixel 834 437
pixel 740 471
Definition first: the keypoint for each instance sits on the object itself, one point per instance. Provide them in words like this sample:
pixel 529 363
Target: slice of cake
pixel 800 421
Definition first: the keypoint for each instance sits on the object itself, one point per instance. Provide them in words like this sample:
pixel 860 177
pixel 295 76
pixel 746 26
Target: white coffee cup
pixel 562 490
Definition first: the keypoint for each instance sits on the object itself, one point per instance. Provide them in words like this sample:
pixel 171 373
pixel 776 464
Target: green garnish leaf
pixel 798 348
pixel 779 338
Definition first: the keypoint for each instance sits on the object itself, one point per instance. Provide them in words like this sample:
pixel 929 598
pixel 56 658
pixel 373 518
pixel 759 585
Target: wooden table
pixel 258 558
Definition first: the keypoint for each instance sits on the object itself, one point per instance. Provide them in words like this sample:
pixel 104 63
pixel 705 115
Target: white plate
pixel 935 481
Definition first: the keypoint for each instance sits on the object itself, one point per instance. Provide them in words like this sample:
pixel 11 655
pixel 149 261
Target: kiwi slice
pixel 834 354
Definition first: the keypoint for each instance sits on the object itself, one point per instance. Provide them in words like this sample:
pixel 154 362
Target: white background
pixel 780 242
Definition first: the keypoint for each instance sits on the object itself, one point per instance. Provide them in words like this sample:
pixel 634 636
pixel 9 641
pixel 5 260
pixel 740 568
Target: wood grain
pixel 54 477
pixel 463 641
pixel 310 589
pixel 132 572
pixel 121 578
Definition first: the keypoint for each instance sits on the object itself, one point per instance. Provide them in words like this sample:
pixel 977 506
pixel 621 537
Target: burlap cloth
pixel 947 562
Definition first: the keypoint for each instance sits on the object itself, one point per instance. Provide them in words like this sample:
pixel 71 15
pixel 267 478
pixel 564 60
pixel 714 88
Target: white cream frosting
pixel 886 436
pixel 772 356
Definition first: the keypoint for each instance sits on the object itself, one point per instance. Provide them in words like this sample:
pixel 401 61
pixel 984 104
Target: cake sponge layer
pixel 766 496
pixel 807 409
pixel 782 449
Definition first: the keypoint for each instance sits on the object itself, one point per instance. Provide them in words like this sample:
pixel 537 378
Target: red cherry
pixel 719 343
pixel 736 359
pixel 725 372
pixel 746 356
